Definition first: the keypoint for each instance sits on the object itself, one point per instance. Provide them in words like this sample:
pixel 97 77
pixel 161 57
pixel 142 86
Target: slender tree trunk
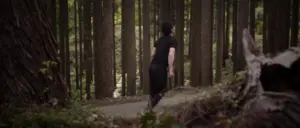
pixel 220 38
pixel 266 44
pixel 242 22
pixel 97 43
pixel 64 41
pixel 227 33
pixel 124 54
pixel 234 33
pixel 87 44
pixel 28 50
pixel 279 30
pixel 140 43
pixel 295 22
pixel 206 42
pixel 180 39
pixel 146 44
pixel 165 14
pixel 106 65
pixel 195 42
pixel 114 45
pixel 128 39
pixel 253 4
pixel 154 19
pixel 53 22
pixel 80 48
pixel 190 31
pixel 76 45
pixel 62 35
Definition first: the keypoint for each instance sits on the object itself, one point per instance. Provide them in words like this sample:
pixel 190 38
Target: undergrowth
pixel 77 115
pixel 151 120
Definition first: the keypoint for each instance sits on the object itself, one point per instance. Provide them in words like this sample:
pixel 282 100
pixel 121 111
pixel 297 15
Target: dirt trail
pixel 131 110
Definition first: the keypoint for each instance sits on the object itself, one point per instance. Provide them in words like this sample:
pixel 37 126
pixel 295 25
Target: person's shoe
pixel 155 100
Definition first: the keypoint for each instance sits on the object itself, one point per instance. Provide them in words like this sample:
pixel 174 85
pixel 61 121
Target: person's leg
pixel 158 83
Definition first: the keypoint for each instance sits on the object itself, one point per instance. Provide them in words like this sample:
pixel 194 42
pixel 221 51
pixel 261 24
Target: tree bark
pixel 106 52
pixel 234 32
pixel 53 21
pixel 165 11
pixel 266 44
pixel 278 31
pixel 80 48
pixel 128 39
pixel 87 29
pixel 295 22
pixel 220 38
pixel 195 42
pixel 146 45
pixel 140 13
pixel 64 40
pixel 76 45
pixel 252 17
pixel 180 39
pixel 227 33
pixel 97 43
pixel 242 22
pixel 28 51
pixel 206 42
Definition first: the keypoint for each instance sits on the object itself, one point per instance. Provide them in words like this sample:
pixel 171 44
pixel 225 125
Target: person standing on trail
pixel 163 56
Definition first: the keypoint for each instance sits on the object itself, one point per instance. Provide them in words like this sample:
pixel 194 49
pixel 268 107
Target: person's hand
pixel 171 73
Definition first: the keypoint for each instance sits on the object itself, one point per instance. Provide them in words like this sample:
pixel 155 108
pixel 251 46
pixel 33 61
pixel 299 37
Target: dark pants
pixel 158 82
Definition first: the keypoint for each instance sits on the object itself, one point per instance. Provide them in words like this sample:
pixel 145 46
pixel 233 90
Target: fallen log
pixel 255 105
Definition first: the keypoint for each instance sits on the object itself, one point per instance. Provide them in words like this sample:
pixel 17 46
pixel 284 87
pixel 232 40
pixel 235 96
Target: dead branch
pixel 254 58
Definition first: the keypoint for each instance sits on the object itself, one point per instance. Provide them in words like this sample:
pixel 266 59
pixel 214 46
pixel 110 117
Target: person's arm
pixel 171 58
pixel 153 53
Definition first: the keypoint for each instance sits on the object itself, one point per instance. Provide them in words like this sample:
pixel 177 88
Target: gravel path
pixel 131 110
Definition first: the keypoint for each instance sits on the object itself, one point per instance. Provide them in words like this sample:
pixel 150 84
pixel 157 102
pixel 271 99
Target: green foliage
pixel 150 120
pixel 42 117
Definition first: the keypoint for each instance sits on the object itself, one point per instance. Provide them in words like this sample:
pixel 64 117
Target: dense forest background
pixel 103 57
pixel 57 51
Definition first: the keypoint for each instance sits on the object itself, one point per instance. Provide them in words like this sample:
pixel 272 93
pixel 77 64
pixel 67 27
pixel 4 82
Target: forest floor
pixel 131 109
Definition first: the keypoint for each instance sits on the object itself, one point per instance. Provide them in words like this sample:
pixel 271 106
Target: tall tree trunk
pixel 165 14
pixel 80 48
pixel 279 30
pixel 242 22
pixel 295 22
pixel 62 35
pixel 266 44
pixel 53 22
pixel 155 11
pixel 227 33
pixel 180 39
pixel 140 43
pixel 97 43
pixel 195 41
pixel 234 32
pixel 87 45
pixel 220 38
pixel 146 45
pixel 206 42
pixel 64 40
pixel 106 55
pixel 189 30
pixel 128 39
pixel 30 68
pixel 252 17
pixel 124 54
pixel 114 45
pixel 76 45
